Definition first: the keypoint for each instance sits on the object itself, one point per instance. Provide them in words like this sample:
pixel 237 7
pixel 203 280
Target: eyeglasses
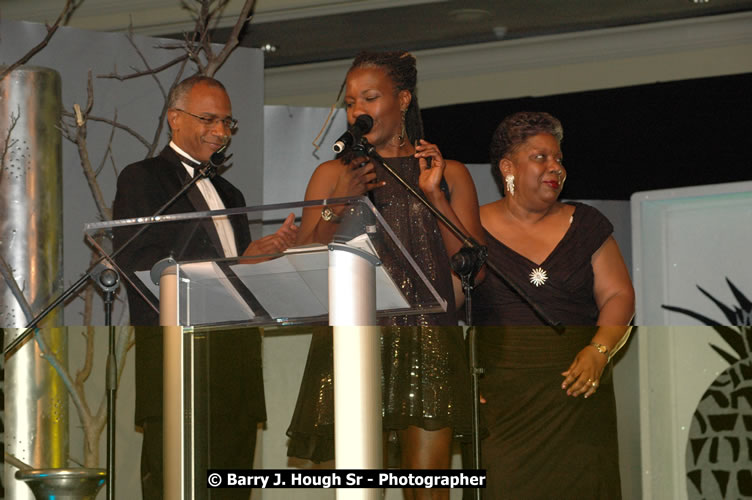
pixel 210 121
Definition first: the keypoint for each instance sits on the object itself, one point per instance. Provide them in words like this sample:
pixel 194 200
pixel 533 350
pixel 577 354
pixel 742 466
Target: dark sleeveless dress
pixel 426 380
pixel 544 444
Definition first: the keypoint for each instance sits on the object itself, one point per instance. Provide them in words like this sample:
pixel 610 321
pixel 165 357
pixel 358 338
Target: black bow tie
pixel 189 161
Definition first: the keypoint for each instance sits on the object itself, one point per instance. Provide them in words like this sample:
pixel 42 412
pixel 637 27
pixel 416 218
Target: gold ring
pixel 594 384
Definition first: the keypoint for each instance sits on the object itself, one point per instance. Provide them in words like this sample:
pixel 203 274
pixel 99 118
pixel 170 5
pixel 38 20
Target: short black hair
pixel 516 129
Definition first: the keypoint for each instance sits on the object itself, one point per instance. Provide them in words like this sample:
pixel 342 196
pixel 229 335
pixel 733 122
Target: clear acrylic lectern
pixel 345 281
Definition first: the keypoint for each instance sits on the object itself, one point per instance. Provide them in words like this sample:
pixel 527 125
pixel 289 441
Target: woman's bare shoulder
pixel 329 166
pixel 489 213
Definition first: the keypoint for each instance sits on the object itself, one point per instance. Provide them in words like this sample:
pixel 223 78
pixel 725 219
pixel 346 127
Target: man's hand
pixel 278 242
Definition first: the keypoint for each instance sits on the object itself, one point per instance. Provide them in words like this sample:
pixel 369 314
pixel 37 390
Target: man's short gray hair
pixel 177 94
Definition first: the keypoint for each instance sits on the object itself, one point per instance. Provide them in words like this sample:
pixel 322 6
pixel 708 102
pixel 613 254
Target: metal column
pixel 31 237
pixel 357 364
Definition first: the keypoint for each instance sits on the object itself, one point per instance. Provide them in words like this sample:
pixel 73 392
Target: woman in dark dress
pixel 426 379
pixel 545 440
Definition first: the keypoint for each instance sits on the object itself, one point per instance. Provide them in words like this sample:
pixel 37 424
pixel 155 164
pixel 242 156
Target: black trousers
pixel 231 446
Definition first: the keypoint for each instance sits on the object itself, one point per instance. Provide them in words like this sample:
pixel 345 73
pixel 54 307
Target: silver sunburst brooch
pixel 538 276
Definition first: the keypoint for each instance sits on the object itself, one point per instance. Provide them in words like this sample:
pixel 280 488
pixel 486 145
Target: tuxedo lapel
pixel 196 200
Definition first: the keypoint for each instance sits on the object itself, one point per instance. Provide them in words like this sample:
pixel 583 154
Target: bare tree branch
pixel 163 113
pixel 59 368
pixel 125 342
pixel 204 19
pixel 76 5
pixel 151 71
pixel 114 167
pixel 79 399
pixel 186 6
pixel 216 13
pixel 83 374
pixel 70 6
pixel 143 59
pixel 7 273
pixel 108 151
pixel 232 42
pixel 175 45
pixel 15 462
pixel 117 124
pixel 194 54
pixel 93 424
pixel 197 48
pixel 64 129
pixel 88 312
pixel 89 100
pixel 9 143
pixel 161 120
pixel 105 212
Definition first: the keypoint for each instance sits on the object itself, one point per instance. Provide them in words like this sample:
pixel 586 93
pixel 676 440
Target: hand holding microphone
pixel 353 134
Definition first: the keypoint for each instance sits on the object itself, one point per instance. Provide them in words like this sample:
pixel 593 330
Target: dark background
pixel 619 141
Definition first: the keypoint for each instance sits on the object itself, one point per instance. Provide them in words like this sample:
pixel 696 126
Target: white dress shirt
pixel 222 223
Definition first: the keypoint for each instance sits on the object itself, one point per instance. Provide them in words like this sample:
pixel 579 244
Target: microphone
pixel 353 134
pixel 218 157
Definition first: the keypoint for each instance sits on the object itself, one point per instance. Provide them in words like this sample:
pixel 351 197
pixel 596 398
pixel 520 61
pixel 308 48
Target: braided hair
pixel 401 68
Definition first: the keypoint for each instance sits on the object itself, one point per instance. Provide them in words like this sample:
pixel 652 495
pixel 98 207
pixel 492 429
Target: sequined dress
pixel 544 444
pixel 426 381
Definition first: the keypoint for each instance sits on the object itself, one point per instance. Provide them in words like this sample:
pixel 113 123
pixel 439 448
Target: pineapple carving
pixel 719 448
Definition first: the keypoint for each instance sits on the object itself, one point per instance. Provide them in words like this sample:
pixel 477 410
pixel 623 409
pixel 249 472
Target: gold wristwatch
pixel 601 348
pixel 328 215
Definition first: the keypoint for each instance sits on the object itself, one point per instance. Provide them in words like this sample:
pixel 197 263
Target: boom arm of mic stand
pixel 205 172
pixel 467 241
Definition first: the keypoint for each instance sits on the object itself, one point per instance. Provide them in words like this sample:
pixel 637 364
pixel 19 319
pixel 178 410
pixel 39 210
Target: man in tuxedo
pixel 200 119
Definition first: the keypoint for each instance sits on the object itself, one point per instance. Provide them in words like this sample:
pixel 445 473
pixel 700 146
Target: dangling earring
pixel 399 140
pixel 509 179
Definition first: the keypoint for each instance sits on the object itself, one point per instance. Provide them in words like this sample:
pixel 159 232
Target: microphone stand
pixel 207 171
pixel 108 280
pixel 472 256
pixel 466 263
